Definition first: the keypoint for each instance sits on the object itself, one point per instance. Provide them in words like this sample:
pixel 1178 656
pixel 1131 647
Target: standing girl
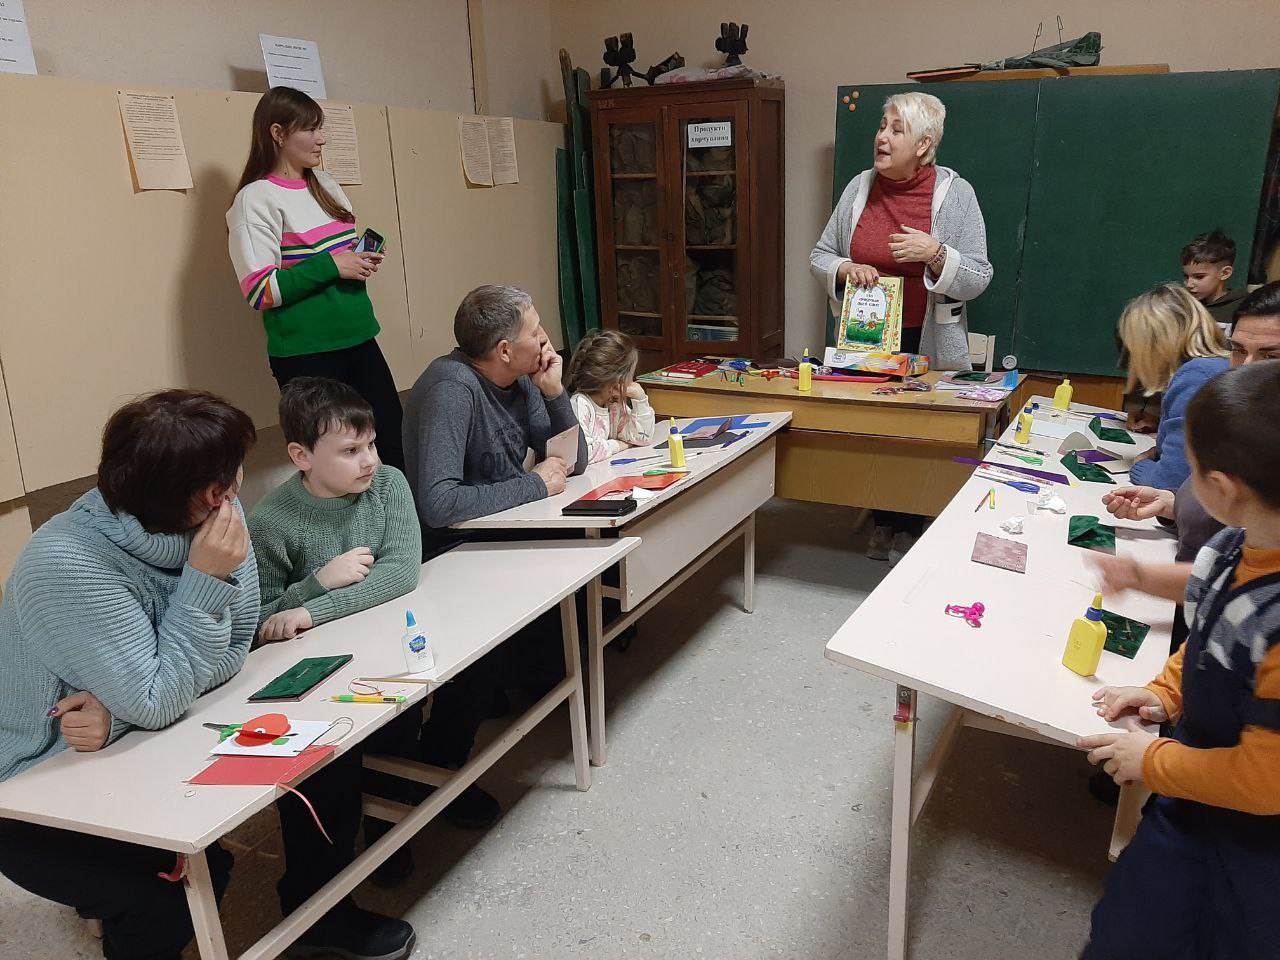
pixel 611 407
pixel 292 235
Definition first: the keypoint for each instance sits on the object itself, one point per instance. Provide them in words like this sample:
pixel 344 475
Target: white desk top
pixel 545 514
pixel 135 789
pixel 1010 668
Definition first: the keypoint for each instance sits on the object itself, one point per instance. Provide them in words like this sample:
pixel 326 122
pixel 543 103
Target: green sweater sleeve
pixel 306 278
pixel 270 528
pixel 397 560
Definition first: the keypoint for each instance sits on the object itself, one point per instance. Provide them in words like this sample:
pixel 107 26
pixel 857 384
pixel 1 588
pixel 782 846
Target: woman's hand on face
pixel 861 274
pixel 356 266
pixel 913 246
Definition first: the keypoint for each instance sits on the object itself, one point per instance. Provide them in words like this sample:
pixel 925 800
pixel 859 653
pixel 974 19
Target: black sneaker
pixel 474 809
pixel 351 933
pixel 398 867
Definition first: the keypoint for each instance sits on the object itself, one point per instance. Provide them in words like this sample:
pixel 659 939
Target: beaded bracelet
pixel 939 259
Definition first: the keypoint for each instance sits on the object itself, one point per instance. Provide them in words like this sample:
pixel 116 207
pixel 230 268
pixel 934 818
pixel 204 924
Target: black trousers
pixel 364 368
pixel 903 522
pixel 145 917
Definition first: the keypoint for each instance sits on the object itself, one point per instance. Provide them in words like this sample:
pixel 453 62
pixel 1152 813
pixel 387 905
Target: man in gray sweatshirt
pixel 479 416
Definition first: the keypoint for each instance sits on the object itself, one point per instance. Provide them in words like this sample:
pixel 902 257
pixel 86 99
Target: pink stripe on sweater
pixel 248 283
pixel 315 235
pixel 286 183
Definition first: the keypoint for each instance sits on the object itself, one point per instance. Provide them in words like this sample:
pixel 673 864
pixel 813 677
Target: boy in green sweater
pixel 341 535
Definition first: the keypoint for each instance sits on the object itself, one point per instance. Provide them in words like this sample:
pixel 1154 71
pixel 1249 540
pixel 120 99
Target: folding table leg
pixel 204 909
pixel 904 751
pixel 1128 812
pixel 595 670
pixel 749 565
pixel 577 706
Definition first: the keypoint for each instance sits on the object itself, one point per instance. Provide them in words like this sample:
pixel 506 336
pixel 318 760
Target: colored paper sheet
pixel 624 485
pixel 260 771
pixel 1090 533
pixel 16 54
pixel 999 552
pixel 741 422
pixel 155 140
pixel 1110 434
pixel 1124 636
pixel 1088 472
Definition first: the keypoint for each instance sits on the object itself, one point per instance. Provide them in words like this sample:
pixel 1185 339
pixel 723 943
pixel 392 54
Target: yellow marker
pixel 676 445
pixel 1085 642
pixel 365 698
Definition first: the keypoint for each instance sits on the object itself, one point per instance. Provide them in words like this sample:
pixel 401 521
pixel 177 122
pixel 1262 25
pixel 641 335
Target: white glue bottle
pixel 417 651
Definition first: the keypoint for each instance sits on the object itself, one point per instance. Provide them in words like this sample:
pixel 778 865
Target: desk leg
pixel 1128 812
pixel 204 908
pixel 577 706
pixel 749 564
pixel 595 670
pixel 904 752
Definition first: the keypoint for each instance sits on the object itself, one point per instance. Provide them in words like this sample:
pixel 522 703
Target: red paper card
pixel 627 484
pixel 259 771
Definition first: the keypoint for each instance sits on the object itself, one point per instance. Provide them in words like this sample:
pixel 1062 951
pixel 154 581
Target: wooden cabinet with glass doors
pixel 689 217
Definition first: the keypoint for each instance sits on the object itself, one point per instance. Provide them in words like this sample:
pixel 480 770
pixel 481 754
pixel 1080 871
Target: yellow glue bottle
pixel 806 373
pixel 1025 421
pixel 1085 642
pixel 1062 396
pixel 676 445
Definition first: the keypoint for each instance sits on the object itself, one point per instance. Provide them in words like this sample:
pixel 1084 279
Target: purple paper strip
pixel 1095 456
pixel 1038 474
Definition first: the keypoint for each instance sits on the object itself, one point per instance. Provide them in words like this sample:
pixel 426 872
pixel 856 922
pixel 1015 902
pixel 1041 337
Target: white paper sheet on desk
pixel 301 734
pixel 1048 428
pixel 565 446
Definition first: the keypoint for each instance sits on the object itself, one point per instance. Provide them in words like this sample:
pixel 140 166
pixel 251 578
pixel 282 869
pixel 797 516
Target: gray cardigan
pixel 957 223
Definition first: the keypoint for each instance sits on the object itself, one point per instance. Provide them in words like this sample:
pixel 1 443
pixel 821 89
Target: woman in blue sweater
pixel 119 613
pixel 1171 344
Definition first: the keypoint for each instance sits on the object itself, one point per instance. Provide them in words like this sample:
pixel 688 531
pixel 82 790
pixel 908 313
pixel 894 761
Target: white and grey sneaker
pixel 878 547
pixel 901 543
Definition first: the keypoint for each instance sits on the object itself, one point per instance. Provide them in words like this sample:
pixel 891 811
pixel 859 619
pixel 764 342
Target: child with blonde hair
pixel 1172 345
pixel 611 407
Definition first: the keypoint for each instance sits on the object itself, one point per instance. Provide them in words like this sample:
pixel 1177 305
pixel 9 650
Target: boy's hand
pixel 85 723
pixel 1139 503
pixel 1119 753
pixel 345 569
pixel 285 625
pixel 1116 574
pixel 1115 702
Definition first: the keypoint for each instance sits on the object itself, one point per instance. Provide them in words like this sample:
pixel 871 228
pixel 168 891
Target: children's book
pixel 871 317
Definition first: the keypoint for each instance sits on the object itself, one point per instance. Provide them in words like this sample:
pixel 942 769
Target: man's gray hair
pixel 487 316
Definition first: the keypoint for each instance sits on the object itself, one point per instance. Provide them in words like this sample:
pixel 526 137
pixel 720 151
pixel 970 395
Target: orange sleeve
pixel 1245 777
pixel 1168 686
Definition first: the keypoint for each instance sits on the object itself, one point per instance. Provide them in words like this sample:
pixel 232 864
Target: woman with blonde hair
pixel 1171 344
pixel 907 217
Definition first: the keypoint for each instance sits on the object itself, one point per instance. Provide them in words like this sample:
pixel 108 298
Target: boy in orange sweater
pixel 1200 876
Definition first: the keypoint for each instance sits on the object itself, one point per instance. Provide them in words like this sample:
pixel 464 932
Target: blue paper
pixel 735 423
pixel 1010 381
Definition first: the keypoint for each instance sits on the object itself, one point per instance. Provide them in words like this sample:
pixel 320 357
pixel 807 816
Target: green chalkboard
pixel 988 139
pixel 1090 187
pixel 1127 170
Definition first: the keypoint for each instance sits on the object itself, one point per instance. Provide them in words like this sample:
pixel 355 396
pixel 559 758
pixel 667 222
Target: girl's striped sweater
pixel 280 240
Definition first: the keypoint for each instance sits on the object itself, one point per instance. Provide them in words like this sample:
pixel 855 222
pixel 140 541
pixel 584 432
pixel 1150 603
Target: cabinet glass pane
pixel 710 228
pixel 635 213
pixel 633 148
pixel 639 293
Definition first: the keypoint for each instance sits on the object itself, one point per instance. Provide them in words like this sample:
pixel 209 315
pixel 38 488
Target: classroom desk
pixel 1005 676
pixel 681 528
pixel 845 445
pixel 135 789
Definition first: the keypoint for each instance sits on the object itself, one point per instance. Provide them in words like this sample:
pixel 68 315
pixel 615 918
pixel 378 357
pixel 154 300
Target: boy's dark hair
pixel 1263 302
pixel 312 406
pixel 1232 427
pixel 1214 247
pixel 160 451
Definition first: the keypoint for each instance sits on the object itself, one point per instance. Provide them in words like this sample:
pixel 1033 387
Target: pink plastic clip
pixel 972 615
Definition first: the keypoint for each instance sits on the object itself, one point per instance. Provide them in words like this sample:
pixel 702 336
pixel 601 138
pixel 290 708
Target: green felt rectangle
pixel 1113 434
pixel 1124 636
pixel 1088 472
pixel 1089 533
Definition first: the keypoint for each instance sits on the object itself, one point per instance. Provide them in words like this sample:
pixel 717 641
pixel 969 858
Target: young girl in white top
pixel 611 407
